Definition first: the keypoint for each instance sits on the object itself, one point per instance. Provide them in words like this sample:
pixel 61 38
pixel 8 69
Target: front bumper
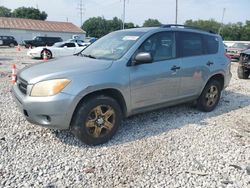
pixel 52 112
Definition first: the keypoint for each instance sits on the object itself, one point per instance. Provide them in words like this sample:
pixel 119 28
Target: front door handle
pixel 174 68
pixel 210 63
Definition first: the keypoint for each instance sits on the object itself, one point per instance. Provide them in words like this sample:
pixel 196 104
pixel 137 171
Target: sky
pixel 139 10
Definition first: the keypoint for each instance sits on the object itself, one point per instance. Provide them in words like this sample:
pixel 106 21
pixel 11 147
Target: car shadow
pixel 160 121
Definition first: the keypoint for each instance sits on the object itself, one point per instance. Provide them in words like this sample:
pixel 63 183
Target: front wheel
pixel 210 96
pixel 96 120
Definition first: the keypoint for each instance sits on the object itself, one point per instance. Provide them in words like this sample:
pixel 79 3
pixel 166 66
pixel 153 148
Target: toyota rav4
pixel 124 73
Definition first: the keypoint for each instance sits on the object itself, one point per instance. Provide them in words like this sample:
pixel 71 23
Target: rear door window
pixel 189 44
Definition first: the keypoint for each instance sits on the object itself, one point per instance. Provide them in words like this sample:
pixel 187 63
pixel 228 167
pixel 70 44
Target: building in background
pixel 26 29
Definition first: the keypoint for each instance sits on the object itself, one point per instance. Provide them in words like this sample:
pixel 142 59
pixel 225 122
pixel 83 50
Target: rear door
pixel 196 63
pixel 68 49
pixel 157 82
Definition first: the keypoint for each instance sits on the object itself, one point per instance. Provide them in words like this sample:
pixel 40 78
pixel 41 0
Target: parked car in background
pixel 78 41
pixel 8 41
pixel 244 65
pixel 57 50
pixel 235 50
pixel 41 41
pixel 88 41
pixel 124 73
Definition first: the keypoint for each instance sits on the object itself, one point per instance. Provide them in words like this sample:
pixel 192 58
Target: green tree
pixel 99 26
pixel 5 12
pixel 30 13
pixel 151 23
pixel 232 31
pixel 245 33
pixel 205 24
pixel 96 27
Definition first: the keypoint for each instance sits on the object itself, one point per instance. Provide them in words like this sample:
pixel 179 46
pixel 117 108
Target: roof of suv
pixel 173 27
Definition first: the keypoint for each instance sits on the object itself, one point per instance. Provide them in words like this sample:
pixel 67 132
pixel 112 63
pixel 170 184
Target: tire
pixel 48 52
pixel 91 125
pixel 12 45
pixel 242 73
pixel 210 96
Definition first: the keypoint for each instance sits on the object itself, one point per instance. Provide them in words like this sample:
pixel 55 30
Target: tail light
pixel 228 56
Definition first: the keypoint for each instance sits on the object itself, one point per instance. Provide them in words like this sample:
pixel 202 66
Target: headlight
pixel 49 87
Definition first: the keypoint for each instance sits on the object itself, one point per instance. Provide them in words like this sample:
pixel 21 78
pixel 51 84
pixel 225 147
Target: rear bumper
pixel 34 54
pixel 233 56
pixel 52 112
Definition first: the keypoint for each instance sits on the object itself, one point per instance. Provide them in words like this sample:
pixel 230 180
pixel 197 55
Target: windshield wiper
pixel 90 56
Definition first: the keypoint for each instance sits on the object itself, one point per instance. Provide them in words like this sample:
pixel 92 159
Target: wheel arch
pixel 219 77
pixel 110 92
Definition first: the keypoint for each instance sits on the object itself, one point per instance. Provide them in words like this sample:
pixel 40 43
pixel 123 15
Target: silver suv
pixel 124 73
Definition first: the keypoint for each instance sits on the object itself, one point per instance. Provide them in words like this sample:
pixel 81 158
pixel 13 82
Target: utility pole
pixel 81 9
pixel 123 15
pixel 222 19
pixel 176 12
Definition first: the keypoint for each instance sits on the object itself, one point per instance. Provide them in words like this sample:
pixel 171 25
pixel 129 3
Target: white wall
pixel 21 35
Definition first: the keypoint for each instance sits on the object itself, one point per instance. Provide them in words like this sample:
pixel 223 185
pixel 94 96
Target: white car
pixel 57 50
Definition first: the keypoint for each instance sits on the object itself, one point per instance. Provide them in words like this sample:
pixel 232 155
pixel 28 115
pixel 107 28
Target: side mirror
pixel 143 57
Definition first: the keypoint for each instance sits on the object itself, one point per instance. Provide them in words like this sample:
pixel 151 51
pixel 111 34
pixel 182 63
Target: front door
pixel 159 81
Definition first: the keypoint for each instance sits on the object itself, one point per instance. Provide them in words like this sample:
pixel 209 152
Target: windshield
pixel 58 44
pixel 240 45
pixel 112 46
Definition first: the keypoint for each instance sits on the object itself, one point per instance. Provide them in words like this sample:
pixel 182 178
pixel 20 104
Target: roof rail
pixel 186 26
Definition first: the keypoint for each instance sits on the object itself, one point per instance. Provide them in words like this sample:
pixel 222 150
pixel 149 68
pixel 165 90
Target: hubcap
pixel 212 96
pixel 100 121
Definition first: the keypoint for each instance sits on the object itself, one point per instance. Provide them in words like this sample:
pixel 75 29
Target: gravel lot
pixel 172 147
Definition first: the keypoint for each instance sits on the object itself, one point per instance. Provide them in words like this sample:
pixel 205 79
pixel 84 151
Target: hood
pixel 65 67
pixel 246 52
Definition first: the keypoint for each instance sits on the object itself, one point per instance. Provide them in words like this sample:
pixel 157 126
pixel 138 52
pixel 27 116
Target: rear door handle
pixel 174 68
pixel 210 63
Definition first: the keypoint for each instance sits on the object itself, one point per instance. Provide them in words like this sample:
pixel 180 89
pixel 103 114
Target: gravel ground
pixel 172 147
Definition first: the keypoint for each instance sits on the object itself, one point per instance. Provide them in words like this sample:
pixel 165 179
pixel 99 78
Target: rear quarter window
pixel 211 44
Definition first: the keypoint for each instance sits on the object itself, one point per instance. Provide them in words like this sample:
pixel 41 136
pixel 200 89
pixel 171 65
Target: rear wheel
pixel 48 54
pixel 242 73
pixel 12 45
pixel 210 96
pixel 96 120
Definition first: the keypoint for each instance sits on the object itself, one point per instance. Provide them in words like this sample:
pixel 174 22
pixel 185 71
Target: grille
pixel 22 85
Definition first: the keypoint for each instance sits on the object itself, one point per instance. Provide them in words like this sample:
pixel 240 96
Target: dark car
pixel 8 41
pixel 42 41
pixel 244 65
